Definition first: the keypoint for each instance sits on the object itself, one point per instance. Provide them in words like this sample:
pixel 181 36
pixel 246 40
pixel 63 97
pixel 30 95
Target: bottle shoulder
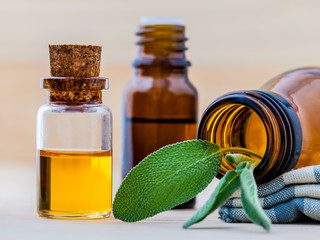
pixel 296 85
pixel 160 85
pixel 294 76
pixel 301 87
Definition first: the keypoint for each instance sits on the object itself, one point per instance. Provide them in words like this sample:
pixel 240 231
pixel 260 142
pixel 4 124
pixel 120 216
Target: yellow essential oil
pixel 75 184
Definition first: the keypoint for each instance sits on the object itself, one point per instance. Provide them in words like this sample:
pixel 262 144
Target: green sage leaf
pixel 241 166
pixel 238 158
pixel 166 178
pixel 250 200
pixel 228 184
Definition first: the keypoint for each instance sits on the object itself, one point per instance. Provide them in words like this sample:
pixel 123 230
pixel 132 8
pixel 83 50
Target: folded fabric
pixel 291 197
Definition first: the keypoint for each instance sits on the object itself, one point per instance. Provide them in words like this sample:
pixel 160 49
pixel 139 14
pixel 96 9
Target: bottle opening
pixel 262 122
pixel 146 21
pixel 235 125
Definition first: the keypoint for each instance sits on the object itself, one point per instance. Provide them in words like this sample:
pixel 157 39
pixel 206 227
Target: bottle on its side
pixel 280 121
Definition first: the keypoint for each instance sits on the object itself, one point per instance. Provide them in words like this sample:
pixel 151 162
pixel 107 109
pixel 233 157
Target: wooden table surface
pixel 19 219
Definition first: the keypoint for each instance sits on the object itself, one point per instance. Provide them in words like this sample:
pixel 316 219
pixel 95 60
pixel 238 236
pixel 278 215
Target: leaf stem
pixel 240 150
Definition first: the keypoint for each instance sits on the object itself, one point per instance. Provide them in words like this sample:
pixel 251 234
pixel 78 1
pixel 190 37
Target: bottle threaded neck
pixel 263 122
pixel 161 45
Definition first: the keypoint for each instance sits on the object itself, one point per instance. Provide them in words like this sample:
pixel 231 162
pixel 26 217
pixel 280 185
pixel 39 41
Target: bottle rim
pixel 149 21
pixel 74 90
pixel 74 83
pixel 273 110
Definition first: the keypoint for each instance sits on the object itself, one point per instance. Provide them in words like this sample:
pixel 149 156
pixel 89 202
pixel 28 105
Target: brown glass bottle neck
pixel 161 45
pixel 156 72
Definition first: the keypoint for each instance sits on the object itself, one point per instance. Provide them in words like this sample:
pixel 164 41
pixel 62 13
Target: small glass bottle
pixel 74 137
pixel 160 104
pixel 280 121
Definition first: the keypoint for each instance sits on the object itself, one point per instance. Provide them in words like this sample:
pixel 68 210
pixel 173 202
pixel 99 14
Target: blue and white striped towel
pixel 291 197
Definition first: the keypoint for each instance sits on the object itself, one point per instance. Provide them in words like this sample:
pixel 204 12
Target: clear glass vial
pixel 74 149
pixel 280 121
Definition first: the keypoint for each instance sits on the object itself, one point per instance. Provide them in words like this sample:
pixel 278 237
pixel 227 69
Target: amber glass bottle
pixel 281 122
pixel 160 104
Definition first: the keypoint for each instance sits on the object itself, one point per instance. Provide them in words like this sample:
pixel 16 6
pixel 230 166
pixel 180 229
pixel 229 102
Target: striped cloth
pixel 292 197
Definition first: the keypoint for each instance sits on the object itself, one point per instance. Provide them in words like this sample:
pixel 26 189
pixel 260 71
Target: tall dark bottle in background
pixel 160 104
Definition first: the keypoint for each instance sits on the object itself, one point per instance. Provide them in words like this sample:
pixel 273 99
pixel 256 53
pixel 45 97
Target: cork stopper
pixel 75 60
